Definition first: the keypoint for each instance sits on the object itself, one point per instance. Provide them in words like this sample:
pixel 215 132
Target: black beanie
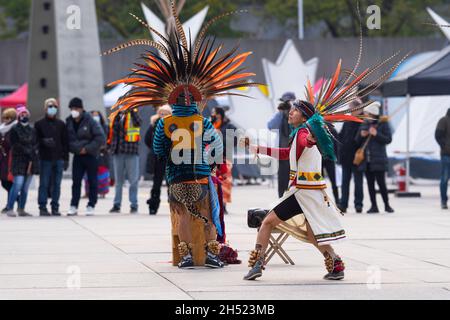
pixel 305 107
pixel 76 103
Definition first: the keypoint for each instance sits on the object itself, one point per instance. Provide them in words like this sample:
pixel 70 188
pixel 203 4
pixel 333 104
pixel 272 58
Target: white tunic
pixel 309 191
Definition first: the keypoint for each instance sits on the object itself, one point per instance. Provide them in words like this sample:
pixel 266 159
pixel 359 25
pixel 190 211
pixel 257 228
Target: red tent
pixel 16 98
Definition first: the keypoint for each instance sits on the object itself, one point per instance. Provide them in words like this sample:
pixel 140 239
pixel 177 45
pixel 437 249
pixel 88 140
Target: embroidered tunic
pixel 309 188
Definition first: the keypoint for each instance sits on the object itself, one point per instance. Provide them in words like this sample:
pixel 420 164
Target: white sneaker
pixel 89 211
pixel 73 211
pixel 11 214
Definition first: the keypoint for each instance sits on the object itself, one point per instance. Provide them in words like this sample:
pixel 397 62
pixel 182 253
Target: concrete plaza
pixel 405 255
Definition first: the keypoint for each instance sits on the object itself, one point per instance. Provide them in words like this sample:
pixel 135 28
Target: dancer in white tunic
pixel 307 195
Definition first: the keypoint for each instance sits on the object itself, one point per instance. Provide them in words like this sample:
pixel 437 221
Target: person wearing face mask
pixel 52 139
pixel 9 120
pixel 86 137
pixel 103 172
pixel 24 159
pixel 155 167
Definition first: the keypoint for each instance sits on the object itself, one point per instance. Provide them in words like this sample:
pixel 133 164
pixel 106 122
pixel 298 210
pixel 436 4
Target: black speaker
pixel 255 217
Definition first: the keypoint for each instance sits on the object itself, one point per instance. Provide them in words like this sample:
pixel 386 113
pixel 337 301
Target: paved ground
pixel 405 255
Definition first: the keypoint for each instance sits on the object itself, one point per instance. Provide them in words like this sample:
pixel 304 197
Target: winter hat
pixel 373 108
pixel 165 109
pixel 288 96
pixel 10 113
pixel 22 109
pixel 51 102
pixel 76 103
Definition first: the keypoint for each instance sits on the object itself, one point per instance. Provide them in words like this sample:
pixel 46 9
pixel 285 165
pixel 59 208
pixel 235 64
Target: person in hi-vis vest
pixel 123 141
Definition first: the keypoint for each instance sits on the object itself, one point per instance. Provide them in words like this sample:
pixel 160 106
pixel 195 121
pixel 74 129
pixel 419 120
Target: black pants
pixel 347 172
pixel 330 167
pixel 159 171
pixel 380 177
pixel 283 177
pixel 7 185
pixel 84 164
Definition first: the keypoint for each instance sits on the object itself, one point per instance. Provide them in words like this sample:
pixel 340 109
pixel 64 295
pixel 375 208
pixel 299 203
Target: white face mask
pixel 75 114
pixel 97 118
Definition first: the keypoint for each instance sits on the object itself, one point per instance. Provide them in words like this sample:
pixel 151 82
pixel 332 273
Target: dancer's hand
pixel 373 131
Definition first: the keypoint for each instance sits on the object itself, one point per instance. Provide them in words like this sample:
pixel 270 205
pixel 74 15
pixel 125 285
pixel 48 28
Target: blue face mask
pixel 52 111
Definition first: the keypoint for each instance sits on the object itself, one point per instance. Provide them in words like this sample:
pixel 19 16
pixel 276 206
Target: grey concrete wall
pixel 327 50
pixel 38 67
pixel 79 62
pixel 13 62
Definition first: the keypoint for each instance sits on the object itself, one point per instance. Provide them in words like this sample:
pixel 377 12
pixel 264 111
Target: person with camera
pixel 52 140
pixel 280 122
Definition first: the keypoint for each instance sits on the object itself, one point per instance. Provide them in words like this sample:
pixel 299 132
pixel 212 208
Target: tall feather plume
pixel 335 94
pixel 204 30
pixel 360 52
pixel 180 30
pixel 437 25
pixel 200 67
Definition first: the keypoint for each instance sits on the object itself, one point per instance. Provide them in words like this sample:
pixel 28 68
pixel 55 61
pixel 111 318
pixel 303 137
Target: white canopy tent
pixel 396 108
pixel 426 92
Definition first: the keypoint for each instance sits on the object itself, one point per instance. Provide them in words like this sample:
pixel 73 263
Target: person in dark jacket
pixel 25 162
pixel 330 167
pixel 86 138
pixel 9 120
pixel 103 173
pixel 346 155
pixel 156 167
pixel 375 162
pixel 52 140
pixel 442 136
pixel 280 122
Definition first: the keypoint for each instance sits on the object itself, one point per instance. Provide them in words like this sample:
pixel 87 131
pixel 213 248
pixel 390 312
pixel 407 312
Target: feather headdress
pixel 333 102
pixel 195 71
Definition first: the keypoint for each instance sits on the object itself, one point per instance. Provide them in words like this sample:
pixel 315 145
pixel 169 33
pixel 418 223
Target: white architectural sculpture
pixel 441 22
pixel 289 73
pixel 191 26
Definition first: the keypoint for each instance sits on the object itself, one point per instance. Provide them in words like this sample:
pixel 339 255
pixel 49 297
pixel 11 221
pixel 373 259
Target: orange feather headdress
pixel 332 102
pixel 196 71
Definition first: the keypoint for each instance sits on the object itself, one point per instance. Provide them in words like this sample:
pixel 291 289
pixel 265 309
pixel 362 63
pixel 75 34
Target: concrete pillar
pixel 42 57
pixel 73 61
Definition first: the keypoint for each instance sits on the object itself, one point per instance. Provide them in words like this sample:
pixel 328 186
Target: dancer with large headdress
pixel 310 141
pixel 185 76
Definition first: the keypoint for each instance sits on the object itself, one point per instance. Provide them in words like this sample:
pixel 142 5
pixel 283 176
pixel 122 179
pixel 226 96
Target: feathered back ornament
pixel 194 72
pixel 333 102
